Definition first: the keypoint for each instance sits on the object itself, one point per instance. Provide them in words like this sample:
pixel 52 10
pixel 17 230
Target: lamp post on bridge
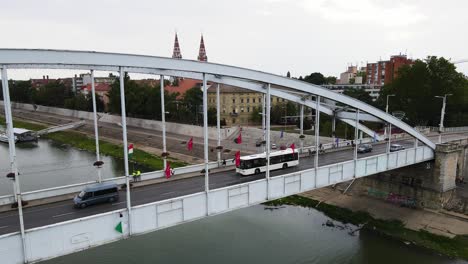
pixel 386 111
pixel 442 115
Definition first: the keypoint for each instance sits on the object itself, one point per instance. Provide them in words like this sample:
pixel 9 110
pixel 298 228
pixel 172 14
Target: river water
pixel 287 235
pixel 47 164
pixel 259 234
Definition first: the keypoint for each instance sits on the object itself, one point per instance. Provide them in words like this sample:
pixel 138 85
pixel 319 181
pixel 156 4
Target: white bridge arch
pixel 290 89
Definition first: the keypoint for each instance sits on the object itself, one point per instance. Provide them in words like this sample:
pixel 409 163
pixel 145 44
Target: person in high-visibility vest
pixel 136 176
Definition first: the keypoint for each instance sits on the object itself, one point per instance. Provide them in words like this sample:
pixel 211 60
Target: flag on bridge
pixel 239 139
pixel 167 172
pixel 293 147
pixel 238 158
pixel 130 151
pixel 190 144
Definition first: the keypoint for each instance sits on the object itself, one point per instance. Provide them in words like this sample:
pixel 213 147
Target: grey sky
pixel 301 36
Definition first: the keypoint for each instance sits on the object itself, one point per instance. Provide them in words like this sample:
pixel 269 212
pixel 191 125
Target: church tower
pixel 202 52
pixel 176 53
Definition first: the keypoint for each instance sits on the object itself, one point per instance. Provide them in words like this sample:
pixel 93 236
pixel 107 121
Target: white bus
pixel 255 164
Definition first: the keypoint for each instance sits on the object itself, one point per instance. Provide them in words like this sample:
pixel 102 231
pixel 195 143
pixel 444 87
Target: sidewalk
pixel 441 223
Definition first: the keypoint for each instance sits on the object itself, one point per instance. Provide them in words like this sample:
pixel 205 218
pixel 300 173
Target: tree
pixel 416 86
pixel 52 94
pixel 315 78
pixel 256 115
pixel 330 80
pixel 193 100
pixel 20 91
pixel 288 74
pixel 359 94
pixel 212 115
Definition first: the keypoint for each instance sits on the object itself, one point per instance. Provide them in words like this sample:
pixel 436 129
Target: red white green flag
pixel 130 151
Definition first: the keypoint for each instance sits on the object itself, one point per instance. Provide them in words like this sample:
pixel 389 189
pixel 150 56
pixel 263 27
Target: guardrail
pixel 444 129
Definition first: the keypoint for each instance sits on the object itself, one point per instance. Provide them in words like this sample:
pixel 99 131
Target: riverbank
pixel 82 141
pixel 456 246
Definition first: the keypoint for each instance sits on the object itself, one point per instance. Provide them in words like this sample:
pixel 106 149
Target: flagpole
pixel 124 134
pixel 163 120
pixel 268 110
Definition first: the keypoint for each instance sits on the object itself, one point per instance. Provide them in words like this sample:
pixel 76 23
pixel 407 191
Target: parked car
pixel 396 147
pixel 258 143
pixel 273 146
pixel 364 148
pixel 95 194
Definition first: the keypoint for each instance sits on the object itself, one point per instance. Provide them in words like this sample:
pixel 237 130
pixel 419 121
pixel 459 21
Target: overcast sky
pixel 301 36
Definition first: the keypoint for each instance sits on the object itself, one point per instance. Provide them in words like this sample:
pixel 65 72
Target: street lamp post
pixel 442 115
pixel 386 111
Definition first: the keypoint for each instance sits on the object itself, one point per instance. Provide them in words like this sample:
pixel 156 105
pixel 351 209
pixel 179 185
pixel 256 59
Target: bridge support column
pixel 268 144
pixel 301 122
pixel 218 123
pixel 263 121
pixel 163 120
pixel 12 154
pixel 125 147
pixel 317 137
pixel 205 140
pixel 96 128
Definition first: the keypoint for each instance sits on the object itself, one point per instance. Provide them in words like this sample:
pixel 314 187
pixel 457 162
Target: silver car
pixel 396 147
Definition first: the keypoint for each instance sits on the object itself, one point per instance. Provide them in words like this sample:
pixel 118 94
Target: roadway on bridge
pixel 62 211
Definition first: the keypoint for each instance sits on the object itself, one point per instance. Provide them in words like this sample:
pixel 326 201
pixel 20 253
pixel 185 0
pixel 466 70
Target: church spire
pixel 176 53
pixel 202 52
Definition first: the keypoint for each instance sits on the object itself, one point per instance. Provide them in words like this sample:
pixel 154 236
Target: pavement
pixel 47 214
pixel 441 223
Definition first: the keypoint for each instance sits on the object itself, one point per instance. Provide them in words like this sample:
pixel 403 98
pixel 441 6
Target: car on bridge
pixel 396 147
pixel 364 148
pixel 95 194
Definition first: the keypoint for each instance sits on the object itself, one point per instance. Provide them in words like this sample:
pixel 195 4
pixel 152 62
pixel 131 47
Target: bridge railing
pixel 79 234
pixel 444 129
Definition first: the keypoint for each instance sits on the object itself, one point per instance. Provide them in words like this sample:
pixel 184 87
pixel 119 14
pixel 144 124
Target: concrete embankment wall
pixel 426 185
pixel 80 234
pixel 183 129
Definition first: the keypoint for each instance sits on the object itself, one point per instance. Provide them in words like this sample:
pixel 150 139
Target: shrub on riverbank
pixel 453 247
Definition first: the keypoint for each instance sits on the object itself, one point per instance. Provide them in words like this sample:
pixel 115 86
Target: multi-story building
pixel 237 104
pixel 78 82
pixel 384 72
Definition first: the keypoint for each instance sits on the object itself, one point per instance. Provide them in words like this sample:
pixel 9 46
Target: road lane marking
pixel 62 214
pixel 3 227
pixel 167 193
pixel 118 203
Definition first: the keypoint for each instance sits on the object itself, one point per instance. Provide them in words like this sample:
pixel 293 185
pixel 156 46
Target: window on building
pixel 248 109
pixel 248 100
pixel 233 100
pixel 242 109
pixel 224 110
pixel 283 99
pixel 277 99
pixel 253 100
pixel 242 100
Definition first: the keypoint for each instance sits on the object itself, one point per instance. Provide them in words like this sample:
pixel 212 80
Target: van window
pixel 87 195
pixel 105 191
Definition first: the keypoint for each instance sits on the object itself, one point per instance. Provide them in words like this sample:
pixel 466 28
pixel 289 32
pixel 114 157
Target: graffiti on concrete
pixel 394 198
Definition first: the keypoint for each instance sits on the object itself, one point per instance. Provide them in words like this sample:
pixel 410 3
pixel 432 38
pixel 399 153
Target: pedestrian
pixel 224 162
pixel 138 175
pixel 172 172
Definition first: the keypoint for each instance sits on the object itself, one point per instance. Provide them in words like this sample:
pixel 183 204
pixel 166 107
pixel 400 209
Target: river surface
pixel 259 234
pixel 47 164
pixel 287 235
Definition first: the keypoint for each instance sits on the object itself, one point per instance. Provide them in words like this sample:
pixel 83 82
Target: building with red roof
pixel 101 90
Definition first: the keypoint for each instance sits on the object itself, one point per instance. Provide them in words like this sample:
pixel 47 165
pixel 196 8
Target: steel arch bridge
pixel 82 233
pixel 287 88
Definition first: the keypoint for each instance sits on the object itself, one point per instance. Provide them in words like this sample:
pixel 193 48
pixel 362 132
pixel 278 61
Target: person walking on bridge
pixel 136 176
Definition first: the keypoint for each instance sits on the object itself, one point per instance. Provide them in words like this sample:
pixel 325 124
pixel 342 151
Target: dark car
pixel 364 148
pixel 95 194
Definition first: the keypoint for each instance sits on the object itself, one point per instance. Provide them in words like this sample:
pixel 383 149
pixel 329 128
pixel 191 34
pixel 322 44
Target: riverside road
pixel 62 211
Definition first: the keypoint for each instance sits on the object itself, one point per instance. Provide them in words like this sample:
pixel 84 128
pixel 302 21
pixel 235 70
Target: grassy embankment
pixel 82 141
pixel 456 247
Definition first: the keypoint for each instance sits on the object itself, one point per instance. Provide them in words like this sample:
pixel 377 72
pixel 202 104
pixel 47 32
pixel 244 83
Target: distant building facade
pixel 384 72
pixel 371 89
